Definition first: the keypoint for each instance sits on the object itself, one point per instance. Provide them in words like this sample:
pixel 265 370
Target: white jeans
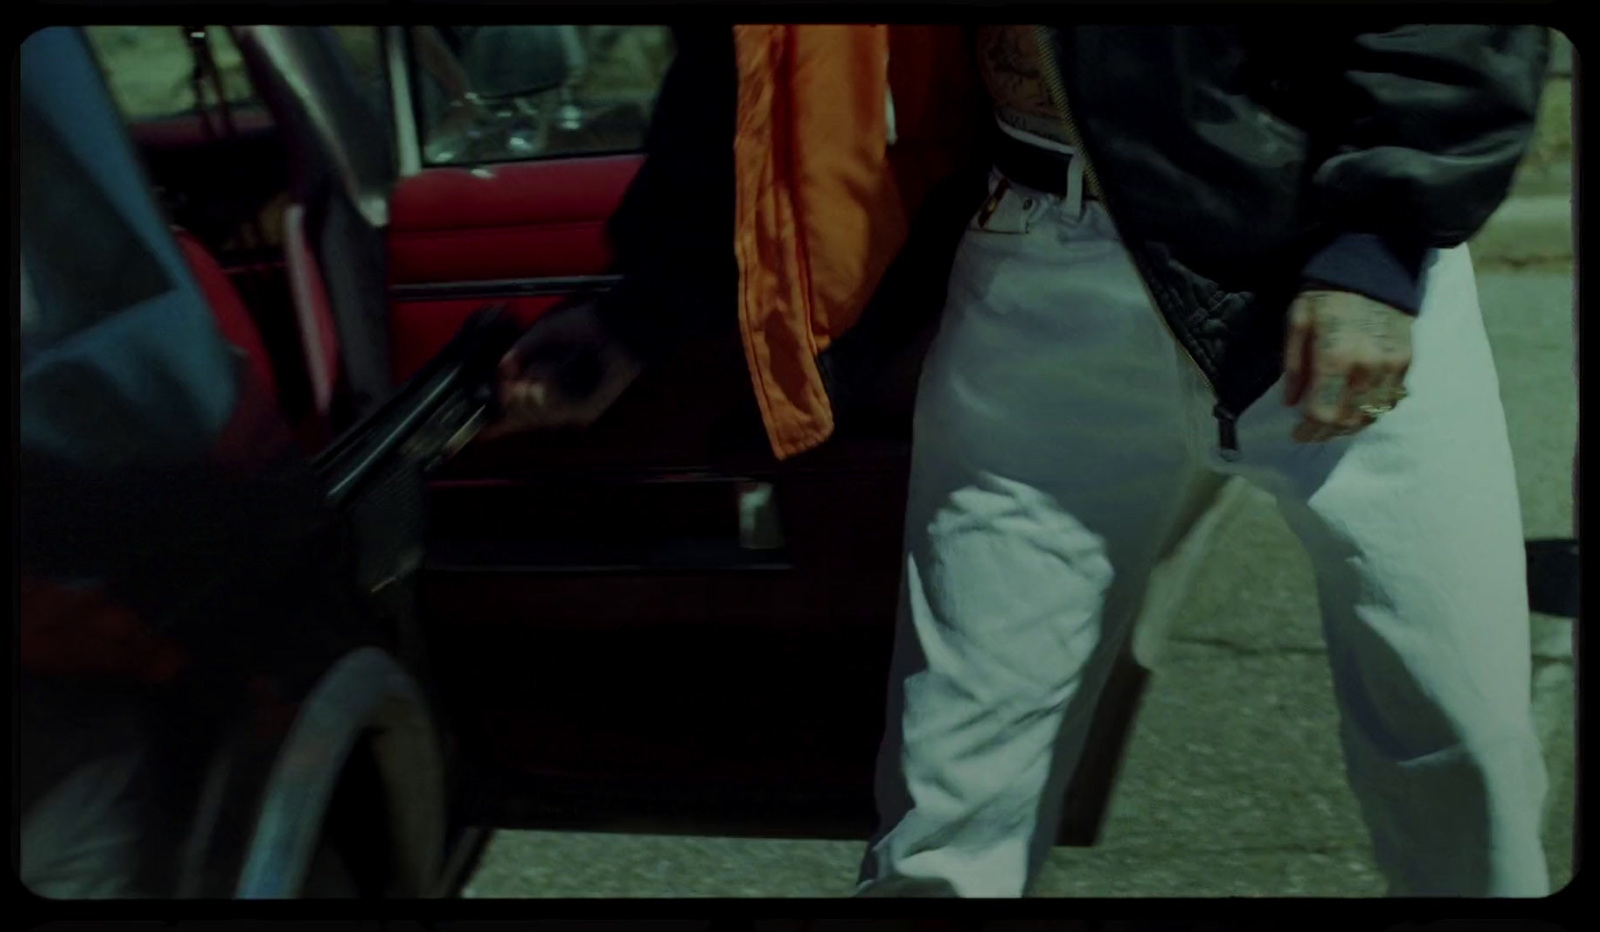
pixel 1060 435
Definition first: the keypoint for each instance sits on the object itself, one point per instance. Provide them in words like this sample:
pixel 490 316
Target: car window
pixel 508 93
pixel 150 69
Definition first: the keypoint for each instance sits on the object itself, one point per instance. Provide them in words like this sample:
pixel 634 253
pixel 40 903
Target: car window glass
pixel 507 93
pixel 150 69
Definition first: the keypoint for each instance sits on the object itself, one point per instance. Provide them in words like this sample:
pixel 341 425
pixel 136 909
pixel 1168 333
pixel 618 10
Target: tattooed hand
pixel 1344 352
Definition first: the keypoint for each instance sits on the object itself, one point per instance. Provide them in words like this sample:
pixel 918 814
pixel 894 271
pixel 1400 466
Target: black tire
pixel 465 858
pixel 329 877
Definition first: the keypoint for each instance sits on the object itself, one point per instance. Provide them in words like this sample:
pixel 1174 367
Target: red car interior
pixel 232 317
pixel 521 222
pixel 422 328
pixel 318 334
pixel 188 132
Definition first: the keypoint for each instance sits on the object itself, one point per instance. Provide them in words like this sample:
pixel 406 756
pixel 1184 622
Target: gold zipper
pixel 1057 88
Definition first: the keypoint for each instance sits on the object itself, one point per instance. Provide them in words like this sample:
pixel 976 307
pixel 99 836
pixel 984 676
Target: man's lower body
pixel 1060 438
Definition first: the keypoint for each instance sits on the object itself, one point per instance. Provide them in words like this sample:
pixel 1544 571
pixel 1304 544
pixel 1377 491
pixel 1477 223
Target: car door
pixel 216 160
pixel 221 163
pixel 649 622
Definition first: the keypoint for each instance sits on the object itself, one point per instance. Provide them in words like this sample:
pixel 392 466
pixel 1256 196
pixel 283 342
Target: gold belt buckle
pixel 993 204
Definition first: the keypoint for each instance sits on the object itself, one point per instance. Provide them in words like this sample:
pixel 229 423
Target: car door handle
pixel 760 527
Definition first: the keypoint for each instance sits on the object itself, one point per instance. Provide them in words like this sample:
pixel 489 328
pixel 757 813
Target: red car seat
pixel 232 317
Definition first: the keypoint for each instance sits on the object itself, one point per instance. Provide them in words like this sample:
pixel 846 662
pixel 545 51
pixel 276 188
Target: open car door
pixel 649 623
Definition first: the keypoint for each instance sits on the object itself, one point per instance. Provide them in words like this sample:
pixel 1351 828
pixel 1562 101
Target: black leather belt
pixel 1032 166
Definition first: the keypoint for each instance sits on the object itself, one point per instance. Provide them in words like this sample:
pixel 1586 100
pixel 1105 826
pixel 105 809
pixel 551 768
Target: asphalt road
pixel 1233 784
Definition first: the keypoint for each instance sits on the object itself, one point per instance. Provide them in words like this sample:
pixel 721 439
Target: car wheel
pixel 358 781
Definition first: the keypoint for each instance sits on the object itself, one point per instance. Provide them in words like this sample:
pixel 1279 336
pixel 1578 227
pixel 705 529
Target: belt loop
pixel 1074 201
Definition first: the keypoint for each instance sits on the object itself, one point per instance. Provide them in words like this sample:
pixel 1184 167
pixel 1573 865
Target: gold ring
pixel 1375 411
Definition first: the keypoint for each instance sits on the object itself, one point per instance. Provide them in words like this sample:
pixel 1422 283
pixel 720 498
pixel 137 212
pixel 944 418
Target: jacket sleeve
pixel 672 236
pixel 1426 127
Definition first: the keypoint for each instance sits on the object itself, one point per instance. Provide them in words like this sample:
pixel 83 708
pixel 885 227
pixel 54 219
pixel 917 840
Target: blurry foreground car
pixel 215 695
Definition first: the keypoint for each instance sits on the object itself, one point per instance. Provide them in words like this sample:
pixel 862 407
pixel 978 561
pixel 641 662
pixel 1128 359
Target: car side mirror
pixel 506 62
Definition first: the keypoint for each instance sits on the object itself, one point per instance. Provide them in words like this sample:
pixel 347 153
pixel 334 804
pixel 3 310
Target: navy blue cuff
pixel 1368 265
